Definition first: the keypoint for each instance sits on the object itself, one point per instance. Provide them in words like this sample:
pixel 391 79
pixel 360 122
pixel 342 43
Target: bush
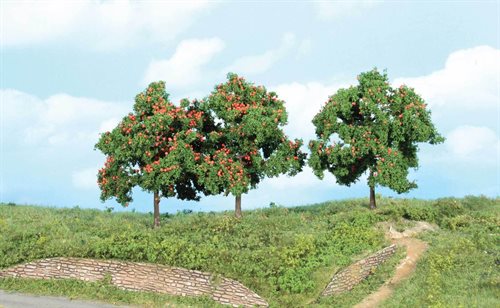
pixel 427 213
pixel 449 207
pixel 416 212
pixel 457 222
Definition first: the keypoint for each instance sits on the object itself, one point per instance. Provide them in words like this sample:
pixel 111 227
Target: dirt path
pixel 414 250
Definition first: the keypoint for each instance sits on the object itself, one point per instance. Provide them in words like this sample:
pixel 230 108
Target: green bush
pixel 411 212
pixel 426 213
pixel 457 222
pixel 449 207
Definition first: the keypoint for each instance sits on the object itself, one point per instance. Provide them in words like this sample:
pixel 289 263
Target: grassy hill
pixel 286 255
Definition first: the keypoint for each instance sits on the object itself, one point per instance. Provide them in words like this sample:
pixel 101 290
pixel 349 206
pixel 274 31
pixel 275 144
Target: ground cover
pixel 286 255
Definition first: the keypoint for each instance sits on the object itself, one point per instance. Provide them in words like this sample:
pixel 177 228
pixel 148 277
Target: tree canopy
pixel 157 147
pixel 248 143
pixel 372 127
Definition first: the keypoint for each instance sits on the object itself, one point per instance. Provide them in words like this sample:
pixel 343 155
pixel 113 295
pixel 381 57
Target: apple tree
pixel 249 143
pixel 372 128
pixel 157 147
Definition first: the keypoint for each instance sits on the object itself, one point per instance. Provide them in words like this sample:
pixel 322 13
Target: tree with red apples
pixel 372 128
pixel 158 147
pixel 249 143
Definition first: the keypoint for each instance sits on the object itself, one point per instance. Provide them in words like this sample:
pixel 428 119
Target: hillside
pixel 286 255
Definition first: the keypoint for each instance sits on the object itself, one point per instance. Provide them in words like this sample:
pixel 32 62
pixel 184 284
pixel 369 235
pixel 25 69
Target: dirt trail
pixel 414 250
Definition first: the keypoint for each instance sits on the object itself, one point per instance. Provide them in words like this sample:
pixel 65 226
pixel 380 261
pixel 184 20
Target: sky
pixel 70 70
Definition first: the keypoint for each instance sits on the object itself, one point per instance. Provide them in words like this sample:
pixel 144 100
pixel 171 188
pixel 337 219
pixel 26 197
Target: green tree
pixel 249 143
pixel 157 147
pixel 372 127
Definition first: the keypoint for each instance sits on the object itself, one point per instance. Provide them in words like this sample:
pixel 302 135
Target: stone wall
pixel 141 277
pixel 347 278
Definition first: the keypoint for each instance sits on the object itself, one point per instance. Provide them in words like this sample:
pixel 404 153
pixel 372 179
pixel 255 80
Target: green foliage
pixel 227 143
pixel 424 213
pixel 249 143
pixel 449 207
pixel 158 147
pixel 371 127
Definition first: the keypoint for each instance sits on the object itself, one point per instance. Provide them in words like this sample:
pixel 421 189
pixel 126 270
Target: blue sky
pixel 70 70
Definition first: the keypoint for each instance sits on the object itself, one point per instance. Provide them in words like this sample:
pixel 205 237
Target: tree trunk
pixel 237 207
pixel 156 223
pixel 373 204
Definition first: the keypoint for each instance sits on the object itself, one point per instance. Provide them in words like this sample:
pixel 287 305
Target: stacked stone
pixel 82 269
pixel 352 275
pixel 232 292
pixel 140 277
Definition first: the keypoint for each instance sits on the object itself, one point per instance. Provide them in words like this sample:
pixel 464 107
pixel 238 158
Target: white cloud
pixel 96 24
pixel 256 64
pixel 328 10
pixel 14 101
pixel 184 67
pixel 472 143
pixel 303 180
pixel 58 120
pixel 465 101
pixel 85 178
pixel 108 125
pixel 470 79
pixel 48 144
pixel 26 22
pixel 303 102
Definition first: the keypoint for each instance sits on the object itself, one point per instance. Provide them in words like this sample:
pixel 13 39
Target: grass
pixel 286 255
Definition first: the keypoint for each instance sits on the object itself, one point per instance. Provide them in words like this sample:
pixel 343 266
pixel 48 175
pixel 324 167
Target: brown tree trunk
pixel 237 207
pixel 373 204
pixel 156 223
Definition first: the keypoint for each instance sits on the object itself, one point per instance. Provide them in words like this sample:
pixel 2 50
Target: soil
pixel 414 250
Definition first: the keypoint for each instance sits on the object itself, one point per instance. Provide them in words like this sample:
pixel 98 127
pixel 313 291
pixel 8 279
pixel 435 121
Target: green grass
pixel 286 255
